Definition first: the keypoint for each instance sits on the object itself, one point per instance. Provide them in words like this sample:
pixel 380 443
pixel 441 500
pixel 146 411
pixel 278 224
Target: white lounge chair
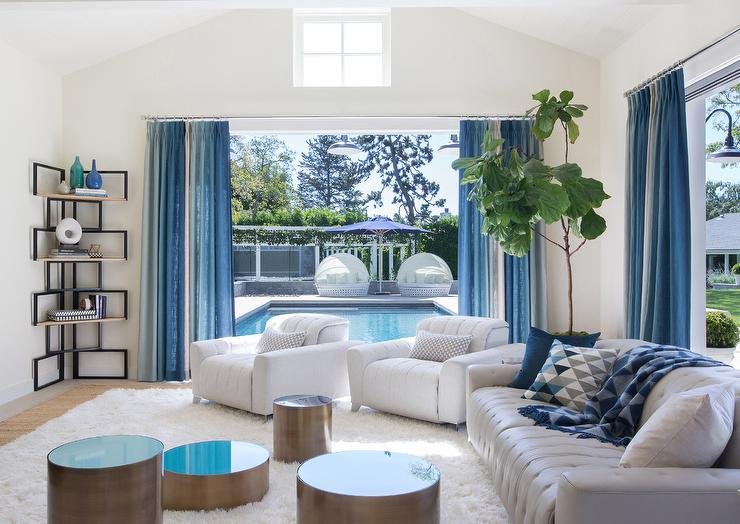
pixel 231 372
pixel 342 275
pixel 424 275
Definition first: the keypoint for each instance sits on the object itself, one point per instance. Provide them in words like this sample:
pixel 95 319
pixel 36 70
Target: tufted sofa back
pixel 487 332
pixel 319 328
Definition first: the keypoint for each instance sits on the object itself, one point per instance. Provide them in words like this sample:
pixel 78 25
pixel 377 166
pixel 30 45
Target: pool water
pixel 369 324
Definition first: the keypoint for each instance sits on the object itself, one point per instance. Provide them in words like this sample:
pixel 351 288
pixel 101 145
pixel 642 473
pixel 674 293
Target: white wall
pixel 30 130
pixel 444 62
pixel 680 31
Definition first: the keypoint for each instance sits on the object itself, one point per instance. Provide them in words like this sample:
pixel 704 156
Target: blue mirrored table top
pixel 368 473
pixel 302 401
pixel 214 457
pixel 107 451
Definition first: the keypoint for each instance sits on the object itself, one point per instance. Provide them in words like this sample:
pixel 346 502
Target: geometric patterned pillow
pixel 272 340
pixel 438 347
pixel 571 375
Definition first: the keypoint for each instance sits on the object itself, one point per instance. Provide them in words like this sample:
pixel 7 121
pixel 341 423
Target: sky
pixel 438 170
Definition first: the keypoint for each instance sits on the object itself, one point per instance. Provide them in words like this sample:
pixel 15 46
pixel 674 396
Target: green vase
pixel 76 174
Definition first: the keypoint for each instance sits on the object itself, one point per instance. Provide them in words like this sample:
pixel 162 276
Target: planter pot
pixel 724 355
pixel 737 280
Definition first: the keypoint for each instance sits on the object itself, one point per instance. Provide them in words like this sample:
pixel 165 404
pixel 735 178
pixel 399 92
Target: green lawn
pixel 726 299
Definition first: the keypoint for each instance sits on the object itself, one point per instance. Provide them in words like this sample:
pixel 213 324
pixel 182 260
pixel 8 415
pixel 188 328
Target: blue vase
pixel 94 180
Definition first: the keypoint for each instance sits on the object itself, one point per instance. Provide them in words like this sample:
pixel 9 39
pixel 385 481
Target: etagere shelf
pixel 64 272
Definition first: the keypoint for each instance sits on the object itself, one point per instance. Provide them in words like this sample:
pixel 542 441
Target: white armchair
pixel 381 375
pixel 230 372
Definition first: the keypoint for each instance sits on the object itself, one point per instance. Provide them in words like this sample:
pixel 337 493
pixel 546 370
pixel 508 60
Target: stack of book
pixel 68 251
pixel 64 315
pixel 84 191
pixel 99 303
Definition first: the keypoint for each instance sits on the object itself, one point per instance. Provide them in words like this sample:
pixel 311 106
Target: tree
pixel 722 198
pixel 261 169
pixel 728 99
pixel 326 180
pixel 398 159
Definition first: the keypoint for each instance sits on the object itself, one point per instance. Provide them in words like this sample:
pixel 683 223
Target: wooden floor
pixel 28 413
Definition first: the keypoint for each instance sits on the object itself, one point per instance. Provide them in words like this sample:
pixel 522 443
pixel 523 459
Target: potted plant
pixel 736 272
pixel 722 335
pixel 513 193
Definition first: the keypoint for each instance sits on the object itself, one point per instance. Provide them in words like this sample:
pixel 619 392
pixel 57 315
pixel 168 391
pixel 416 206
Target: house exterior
pixel 723 242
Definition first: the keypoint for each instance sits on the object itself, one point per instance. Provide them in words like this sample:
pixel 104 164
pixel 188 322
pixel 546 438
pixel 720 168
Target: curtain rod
pixel 681 62
pixel 334 117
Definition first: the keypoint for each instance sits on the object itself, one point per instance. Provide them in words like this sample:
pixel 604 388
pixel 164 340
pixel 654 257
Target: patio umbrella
pixel 378 226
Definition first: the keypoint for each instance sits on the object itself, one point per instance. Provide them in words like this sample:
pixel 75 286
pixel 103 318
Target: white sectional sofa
pixel 381 375
pixel 545 476
pixel 230 372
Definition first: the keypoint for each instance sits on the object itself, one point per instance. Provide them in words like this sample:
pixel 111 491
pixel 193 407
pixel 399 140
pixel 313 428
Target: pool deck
pixel 246 305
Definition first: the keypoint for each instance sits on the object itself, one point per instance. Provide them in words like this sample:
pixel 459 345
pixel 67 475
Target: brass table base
pixel 319 507
pixel 125 494
pixel 300 433
pixel 199 492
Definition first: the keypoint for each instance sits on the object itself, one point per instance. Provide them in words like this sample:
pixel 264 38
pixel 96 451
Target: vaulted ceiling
pixel 68 35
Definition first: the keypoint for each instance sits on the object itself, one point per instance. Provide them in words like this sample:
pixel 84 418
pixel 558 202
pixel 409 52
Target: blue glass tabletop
pixel 368 473
pixel 107 451
pixel 214 457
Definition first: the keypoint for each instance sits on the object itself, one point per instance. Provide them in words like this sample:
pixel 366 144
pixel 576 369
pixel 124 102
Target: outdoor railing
pixel 278 258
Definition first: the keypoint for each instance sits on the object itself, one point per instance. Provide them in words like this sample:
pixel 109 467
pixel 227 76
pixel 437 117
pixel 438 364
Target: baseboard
pixel 25 387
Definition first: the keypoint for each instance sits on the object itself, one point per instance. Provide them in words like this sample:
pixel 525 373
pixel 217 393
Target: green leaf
pixel 464 163
pixel 592 225
pixel 552 200
pixel 542 96
pixel 566 96
pixel 579 106
pixel 573 131
pixel 573 111
pixel 544 125
pixel 584 193
pixel 535 168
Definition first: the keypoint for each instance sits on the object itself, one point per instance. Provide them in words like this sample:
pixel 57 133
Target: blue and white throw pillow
pixel 571 375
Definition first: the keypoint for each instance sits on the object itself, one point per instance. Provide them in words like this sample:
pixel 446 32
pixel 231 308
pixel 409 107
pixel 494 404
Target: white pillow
pixel 437 347
pixel 272 340
pixel 690 430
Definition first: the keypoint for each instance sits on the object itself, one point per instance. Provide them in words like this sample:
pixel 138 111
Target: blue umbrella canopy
pixel 377 226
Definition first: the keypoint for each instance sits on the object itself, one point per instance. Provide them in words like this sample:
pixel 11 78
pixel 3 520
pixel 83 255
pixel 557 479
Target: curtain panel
pixel 473 266
pixel 210 252
pixel 162 300
pixel 658 228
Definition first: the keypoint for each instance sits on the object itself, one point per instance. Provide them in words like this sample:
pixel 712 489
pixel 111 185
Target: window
pixel 341 48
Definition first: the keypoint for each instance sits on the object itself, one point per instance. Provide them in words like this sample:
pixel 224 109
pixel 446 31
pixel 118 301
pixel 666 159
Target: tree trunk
pixel 569 267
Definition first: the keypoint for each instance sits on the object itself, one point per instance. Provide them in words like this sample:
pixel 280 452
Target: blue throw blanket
pixel 613 413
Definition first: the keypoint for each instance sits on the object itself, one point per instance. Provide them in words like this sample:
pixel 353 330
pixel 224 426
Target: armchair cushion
pixel 273 340
pixel 436 347
pixel 486 332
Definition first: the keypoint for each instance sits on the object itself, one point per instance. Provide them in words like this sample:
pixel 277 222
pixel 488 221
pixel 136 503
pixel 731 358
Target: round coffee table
pixel 215 474
pixel 301 427
pixel 368 487
pixel 113 478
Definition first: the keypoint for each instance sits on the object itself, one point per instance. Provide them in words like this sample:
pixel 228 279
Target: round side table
pixel 301 427
pixel 108 479
pixel 367 487
pixel 215 474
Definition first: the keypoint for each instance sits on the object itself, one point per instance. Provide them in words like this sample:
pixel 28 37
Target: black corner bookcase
pixel 63 277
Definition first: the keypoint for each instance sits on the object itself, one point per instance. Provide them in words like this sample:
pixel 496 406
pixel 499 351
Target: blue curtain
pixel 658 227
pixel 517 134
pixel 473 270
pixel 162 302
pixel 210 251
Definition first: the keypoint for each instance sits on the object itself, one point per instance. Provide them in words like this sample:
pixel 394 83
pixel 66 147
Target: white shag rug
pixel 467 491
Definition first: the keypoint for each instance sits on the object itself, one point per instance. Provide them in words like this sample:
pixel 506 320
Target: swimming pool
pixel 366 323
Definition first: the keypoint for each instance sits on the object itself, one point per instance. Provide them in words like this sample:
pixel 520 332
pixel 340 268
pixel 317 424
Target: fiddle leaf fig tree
pixel 513 193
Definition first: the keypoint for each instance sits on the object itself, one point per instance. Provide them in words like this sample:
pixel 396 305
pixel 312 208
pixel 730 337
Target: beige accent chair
pixel 342 275
pixel 546 476
pixel 383 377
pixel 424 275
pixel 229 370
